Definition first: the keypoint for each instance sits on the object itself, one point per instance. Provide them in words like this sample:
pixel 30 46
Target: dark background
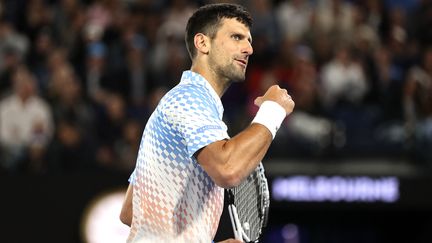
pixel 50 209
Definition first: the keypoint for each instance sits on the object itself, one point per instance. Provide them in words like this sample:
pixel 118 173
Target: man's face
pixel 230 50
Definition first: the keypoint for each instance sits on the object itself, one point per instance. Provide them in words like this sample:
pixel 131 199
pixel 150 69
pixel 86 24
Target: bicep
pixel 213 158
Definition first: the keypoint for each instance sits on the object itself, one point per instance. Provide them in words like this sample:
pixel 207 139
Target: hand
pixel 231 241
pixel 278 95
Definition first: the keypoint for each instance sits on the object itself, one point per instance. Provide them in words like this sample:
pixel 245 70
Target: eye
pixel 236 37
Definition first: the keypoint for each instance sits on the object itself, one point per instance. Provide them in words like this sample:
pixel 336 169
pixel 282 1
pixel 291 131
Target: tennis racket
pixel 248 205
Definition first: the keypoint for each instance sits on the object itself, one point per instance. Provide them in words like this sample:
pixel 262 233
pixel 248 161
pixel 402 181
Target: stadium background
pixel 359 71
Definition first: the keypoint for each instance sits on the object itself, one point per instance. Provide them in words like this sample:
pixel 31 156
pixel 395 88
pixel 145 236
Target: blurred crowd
pixel 79 78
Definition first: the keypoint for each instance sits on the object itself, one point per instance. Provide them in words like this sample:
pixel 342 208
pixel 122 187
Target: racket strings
pixel 247 198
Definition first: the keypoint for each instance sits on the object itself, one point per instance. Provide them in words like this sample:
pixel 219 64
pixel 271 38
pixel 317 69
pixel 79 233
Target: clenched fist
pixel 278 95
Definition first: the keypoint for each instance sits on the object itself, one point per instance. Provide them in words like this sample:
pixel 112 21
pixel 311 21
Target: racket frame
pixel 239 232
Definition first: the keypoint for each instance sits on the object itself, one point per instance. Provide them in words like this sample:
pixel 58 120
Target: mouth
pixel 242 62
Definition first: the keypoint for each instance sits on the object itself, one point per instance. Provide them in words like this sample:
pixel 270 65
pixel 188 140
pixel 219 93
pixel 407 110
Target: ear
pixel 202 43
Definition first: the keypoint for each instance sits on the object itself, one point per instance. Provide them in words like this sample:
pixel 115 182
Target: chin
pixel 234 75
pixel 238 78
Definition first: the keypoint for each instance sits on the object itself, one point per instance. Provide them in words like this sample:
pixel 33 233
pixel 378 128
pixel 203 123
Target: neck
pixel 218 83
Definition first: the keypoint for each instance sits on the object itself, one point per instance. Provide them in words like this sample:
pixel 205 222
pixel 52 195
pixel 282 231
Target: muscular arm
pixel 126 211
pixel 227 162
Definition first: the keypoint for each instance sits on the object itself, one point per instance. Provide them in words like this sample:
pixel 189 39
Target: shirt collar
pixel 190 77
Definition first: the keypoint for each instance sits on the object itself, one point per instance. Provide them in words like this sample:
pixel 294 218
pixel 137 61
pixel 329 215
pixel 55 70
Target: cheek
pixel 226 47
pixel 222 52
pixel 219 55
pixel 230 47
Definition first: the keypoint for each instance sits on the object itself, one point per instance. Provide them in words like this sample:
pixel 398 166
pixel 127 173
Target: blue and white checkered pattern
pixel 174 199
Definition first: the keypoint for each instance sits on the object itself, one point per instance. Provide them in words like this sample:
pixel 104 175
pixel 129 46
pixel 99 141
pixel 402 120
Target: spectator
pixel 126 148
pixel 294 18
pixel 418 107
pixel 343 79
pixel 25 120
pixel 13 48
pixel 68 101
pixel 71 151
pixel 111 120
pixel 333 18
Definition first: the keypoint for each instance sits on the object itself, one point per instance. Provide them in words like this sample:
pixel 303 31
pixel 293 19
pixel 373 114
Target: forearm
pixel 247 149
pixel 228 162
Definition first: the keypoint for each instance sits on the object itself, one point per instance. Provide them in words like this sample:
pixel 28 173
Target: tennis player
pixel 186 157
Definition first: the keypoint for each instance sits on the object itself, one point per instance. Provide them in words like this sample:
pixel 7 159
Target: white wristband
pixel 271 115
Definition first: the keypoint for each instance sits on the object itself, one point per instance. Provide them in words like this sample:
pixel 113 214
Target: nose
pixel 248 49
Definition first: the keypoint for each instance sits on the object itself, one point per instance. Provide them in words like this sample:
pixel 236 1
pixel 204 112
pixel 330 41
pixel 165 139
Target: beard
pixel 230 70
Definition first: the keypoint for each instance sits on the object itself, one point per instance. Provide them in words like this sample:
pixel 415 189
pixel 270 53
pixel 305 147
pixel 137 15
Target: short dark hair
pixel 208 18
